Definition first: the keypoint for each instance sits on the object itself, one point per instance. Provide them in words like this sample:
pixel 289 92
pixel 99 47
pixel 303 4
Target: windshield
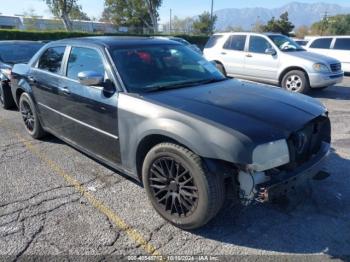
pixel 151 68
pixel 18 53
pixel 286 44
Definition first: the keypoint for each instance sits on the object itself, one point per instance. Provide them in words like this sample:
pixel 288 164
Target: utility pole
pixel 324 22
pixel 170 21
pixel 211 16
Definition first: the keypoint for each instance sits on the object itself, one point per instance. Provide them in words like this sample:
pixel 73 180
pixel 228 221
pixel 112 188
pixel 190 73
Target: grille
pixel 336 67
pixel 306 142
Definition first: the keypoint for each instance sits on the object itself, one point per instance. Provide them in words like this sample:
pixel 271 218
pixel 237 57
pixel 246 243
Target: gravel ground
pixel 55 201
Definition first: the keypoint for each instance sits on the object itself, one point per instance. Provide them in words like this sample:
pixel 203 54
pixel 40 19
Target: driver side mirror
pixel 270 51
pixel 90 78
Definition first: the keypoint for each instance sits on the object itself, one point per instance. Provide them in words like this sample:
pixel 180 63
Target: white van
pixel 337 47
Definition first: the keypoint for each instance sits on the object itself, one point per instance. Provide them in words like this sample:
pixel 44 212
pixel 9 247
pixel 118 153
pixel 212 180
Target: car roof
pixel 327 36
pixel 115 41
pixel 247 33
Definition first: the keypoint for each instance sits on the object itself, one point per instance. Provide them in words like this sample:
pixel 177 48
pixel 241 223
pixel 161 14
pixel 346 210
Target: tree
pixel 302 31
pixel 231 28
pixel 334 25
pixel 30 19
pixel 77 13
pixel 62 9
pixel 133 13
pixel 179 26
pixel 281 25
pixel 204 24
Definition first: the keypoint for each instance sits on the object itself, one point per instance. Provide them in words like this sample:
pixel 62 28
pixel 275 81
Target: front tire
pixel 6 99
pixel 30 117
pixel 180 187
pixel 296 81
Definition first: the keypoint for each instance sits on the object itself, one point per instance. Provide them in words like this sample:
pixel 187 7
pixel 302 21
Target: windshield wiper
pixel 185 84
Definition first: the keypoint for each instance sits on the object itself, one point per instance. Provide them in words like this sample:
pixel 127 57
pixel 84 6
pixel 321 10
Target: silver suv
pixel 274 59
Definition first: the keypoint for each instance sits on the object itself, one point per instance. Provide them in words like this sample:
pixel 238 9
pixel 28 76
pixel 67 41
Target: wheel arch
pixel 145 145
pixel 21 87
pixel 291 68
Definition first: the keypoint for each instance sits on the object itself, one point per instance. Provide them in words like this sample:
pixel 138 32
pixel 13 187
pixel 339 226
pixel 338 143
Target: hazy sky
pixel 180 8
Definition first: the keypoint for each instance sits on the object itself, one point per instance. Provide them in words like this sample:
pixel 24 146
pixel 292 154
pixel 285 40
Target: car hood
pixel 314 57
pixel 244 107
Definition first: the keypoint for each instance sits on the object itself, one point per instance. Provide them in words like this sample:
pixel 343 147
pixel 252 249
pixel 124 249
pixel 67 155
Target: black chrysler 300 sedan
pixel 159 112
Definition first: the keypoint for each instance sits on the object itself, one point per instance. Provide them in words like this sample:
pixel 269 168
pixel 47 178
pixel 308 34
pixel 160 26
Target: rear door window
pixel 342 44
pixel 235 42
pixel 324 43
pixel 51 59
pixel 212 41
pixel 84 59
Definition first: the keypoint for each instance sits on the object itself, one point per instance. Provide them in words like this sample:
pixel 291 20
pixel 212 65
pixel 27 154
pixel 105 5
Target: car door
pixel 341 51
pixel 321 45
pixel 258 63
pixel 232 55
pixel 45 77
pixel 90 112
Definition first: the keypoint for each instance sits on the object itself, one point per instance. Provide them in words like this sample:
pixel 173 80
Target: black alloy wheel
pixel 173 186
pixel 30 117
pixel 27 115
pixel 180 186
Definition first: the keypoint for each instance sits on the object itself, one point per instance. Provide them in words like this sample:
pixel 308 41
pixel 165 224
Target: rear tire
pixel 180 187
pixel 30 117
pixel 6 99
pixel 296 81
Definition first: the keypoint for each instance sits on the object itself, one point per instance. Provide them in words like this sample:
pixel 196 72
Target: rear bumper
pixel 322 80
pixel 284 182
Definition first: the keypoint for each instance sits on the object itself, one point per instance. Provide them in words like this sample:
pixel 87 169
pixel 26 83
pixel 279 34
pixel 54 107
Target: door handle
pixel 248 55
pixel 65 90
pixel 223 53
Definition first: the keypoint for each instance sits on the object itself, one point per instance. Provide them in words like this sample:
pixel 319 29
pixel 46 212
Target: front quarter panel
pixel 139 118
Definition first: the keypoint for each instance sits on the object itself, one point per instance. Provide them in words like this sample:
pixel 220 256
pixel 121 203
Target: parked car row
pixel 274 59
pixel 161 113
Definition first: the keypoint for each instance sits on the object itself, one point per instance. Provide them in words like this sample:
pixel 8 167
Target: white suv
pixel 333 46
pixel 272 58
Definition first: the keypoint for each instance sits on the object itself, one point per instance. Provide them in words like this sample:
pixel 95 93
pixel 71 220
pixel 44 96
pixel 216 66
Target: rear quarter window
pixel 213 41
pixel 342 44
pixel 324 43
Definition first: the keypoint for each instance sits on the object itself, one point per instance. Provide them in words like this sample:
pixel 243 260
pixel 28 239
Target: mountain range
pixel 299 14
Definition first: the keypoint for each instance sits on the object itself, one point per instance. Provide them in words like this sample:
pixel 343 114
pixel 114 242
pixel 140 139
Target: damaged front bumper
pixel 268 187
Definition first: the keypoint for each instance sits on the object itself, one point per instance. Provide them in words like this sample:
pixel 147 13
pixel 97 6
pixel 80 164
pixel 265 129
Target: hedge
pixel 11 34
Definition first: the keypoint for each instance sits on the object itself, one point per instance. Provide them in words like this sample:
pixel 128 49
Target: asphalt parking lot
pixel 56 201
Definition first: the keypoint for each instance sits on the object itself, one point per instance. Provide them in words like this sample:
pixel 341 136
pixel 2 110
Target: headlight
pixel 270 155
pixel 321 68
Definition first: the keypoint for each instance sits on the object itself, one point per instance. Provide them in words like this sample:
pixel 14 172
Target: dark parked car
pixel 13 52
pixel 159 112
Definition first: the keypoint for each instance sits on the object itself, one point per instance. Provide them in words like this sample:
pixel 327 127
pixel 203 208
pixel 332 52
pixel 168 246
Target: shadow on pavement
pixel 337 92
pixel 317 221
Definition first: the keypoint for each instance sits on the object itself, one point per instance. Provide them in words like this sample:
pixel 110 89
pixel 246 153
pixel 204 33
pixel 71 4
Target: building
pixel 39 23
